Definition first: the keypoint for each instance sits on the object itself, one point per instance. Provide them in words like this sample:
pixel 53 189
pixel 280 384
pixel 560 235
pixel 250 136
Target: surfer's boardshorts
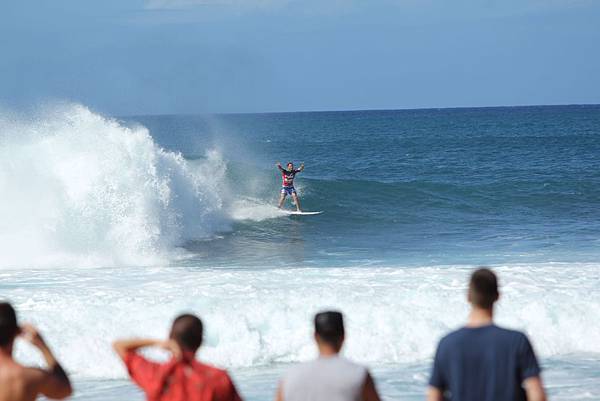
pixel 288 190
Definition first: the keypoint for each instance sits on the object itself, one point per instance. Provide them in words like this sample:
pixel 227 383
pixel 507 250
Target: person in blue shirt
pixel 484 362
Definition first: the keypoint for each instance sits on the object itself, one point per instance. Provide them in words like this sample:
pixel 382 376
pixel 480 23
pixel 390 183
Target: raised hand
pixel 172 346
pixel 31 334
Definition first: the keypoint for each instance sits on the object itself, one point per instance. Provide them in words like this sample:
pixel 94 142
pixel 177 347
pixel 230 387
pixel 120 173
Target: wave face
pixel 83 190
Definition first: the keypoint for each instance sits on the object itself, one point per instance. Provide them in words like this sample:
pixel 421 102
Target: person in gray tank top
pixel 330 377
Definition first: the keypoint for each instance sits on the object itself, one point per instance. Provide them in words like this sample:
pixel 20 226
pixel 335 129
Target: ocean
pixel 111 226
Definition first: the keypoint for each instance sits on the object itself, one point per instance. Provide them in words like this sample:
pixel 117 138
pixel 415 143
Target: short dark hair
pixel 483 288
pixel 187 331
pixel 288 163
pixel 8 324
pixel 329 326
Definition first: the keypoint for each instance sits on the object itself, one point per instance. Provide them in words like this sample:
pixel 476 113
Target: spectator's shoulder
pixel 220 381
pixel 298 370
pixel 453 337
pixel 514 335
pixel 300 367
pixel 212 371
pixel 28 374
pixel 353 365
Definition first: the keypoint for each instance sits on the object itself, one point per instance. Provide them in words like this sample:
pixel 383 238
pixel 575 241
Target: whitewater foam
pixel 80 189
pixel 254 209
pixel 262 317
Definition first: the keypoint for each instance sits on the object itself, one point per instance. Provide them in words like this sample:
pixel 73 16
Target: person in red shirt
pixel 182 378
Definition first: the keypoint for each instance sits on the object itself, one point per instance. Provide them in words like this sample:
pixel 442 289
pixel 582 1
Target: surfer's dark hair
pixel 8 324
pixel 288 163
pixel 329 326
pixel 187 331
pixel 483 288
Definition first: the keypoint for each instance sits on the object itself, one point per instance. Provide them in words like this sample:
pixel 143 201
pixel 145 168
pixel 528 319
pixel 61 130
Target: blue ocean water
pixel 110 226
pixel 489 185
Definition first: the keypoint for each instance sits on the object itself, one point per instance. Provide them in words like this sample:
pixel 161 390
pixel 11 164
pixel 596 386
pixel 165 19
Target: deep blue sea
pixel 110 226
pixel 489 185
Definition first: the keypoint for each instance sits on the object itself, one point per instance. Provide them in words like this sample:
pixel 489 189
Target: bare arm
pixel 434 394
pixel 279 394
pixel 534 389
pixel 122 347
pixel 54 381
pixel 369 390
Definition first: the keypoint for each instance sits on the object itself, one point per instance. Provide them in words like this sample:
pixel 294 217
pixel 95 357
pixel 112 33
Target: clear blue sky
pixel 191 56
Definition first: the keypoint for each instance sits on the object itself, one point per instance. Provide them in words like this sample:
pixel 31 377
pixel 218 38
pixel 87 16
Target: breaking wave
pixel 79 189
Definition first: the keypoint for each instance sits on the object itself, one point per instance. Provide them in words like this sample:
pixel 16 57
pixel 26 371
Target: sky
pixel 131 57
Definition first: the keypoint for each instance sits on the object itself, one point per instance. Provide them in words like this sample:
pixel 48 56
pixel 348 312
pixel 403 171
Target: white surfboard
pixel 294 213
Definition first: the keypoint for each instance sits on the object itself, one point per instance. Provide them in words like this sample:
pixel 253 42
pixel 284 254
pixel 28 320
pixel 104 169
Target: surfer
pixel 287 186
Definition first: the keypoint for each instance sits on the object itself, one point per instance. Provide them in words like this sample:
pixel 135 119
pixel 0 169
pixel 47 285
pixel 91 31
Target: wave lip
pixel 81 189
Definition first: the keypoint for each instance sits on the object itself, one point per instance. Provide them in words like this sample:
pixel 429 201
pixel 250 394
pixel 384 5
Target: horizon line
pixel 358 110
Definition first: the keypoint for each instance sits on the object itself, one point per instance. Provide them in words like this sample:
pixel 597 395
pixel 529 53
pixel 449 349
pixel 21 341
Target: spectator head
pixel 8 325
pixel 329 329
pixel 483 289
pixel 187 331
